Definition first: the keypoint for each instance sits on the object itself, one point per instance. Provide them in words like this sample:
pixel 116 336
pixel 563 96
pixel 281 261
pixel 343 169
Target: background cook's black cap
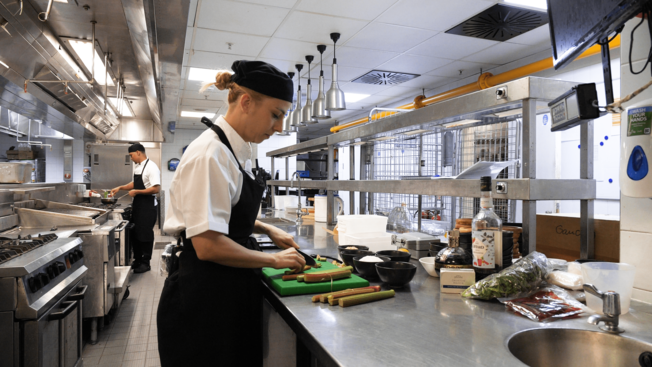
pixel 263 78
pixel 136 147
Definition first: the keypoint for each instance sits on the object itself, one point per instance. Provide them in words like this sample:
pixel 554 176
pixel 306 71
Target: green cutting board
pixel 294 287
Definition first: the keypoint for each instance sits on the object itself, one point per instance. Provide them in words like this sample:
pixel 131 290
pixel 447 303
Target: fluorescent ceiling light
pixel 84 50
pixel 383 138
pixel 414 132
pixel 202 75
pixel 354 97
pixel 61 1
pixel 541 4
pixel 3 64
pixel 126 110
pixel 196 114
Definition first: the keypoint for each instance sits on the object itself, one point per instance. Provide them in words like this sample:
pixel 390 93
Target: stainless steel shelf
pixel 305 147
pixel 322 184
pixel 482 105
pixel 517 189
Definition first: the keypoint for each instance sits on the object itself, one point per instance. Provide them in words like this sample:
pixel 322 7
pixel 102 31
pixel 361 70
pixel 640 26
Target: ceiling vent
pixel 501 23
pixel 381 77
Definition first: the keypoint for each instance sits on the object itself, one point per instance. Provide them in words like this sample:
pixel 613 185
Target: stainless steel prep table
pixel 419 327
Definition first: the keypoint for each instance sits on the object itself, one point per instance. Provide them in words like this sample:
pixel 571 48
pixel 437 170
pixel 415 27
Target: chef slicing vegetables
pixel 210 312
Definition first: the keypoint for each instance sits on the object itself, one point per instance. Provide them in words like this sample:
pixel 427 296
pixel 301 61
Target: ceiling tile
pixel 217 41
pixel 437 15
pixel 536 37
pixel 294 51
pixel 358 9
pixel 240 17
pixel 211 95
pixel 502 53
pixel 279 3
pixel 360 58
pixel 468 68
pixel 427 82
pixel 212 60
pixel 388 37
pixel 193 85
pixel 309 27
pixel 360 88
pixel 400 91
pixel 344 73
pixel 201 103
pixel 414 64
pixel 451 46
pixel 189 32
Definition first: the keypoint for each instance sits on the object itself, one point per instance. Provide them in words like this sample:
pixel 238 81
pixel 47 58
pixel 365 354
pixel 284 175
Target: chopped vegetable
pixel 323 298
pixel 299 277
pixel 318 278
pixel 364 298
pixel 334 298
pixel 317 266
pixel 524 276
pixel 294 271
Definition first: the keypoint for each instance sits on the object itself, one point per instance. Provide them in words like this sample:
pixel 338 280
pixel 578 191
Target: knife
pixel 309 260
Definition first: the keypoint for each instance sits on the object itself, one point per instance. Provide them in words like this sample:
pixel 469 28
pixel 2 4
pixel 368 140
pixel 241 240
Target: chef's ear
pixel 246 103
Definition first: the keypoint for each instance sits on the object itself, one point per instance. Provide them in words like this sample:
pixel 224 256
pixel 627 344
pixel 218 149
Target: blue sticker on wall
pixel 545 120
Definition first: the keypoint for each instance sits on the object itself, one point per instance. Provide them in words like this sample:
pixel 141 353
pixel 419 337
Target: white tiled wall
pixel 635 229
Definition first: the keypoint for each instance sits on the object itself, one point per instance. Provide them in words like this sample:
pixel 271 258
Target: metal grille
pixel 381 77
pixel 445 153
pixel 501 23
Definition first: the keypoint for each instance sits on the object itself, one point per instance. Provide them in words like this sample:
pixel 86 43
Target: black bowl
pixel 343 247
pixel 396 273
pixel 367 269
pixel 395 255
pixel 348 255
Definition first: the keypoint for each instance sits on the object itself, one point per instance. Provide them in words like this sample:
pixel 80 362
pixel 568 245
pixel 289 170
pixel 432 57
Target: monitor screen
pixel 576 25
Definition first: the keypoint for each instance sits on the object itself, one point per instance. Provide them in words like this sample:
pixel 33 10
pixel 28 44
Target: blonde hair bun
pixel 222 81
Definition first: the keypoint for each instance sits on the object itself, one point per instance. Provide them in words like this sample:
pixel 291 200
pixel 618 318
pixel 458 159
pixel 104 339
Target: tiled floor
pixel 131 339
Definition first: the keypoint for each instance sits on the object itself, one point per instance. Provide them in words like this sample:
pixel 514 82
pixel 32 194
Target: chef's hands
pixel 281 238
pixel 289 258
pixel 114 191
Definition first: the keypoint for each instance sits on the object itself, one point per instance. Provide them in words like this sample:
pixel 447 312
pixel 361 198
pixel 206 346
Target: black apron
pixel 211 314
pixel 143 211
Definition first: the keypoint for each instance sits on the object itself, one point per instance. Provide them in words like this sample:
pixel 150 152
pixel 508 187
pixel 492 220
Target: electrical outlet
pixel 501 187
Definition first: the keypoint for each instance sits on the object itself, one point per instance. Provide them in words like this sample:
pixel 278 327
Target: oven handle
pixel 79 296
pixel 70 307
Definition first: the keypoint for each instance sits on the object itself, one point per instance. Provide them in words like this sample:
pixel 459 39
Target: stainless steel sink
pixel 276 221
pixel 570 347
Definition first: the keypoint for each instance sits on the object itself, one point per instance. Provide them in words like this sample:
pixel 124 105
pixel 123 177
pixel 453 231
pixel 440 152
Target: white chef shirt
pixel 207 183
pixel 151 176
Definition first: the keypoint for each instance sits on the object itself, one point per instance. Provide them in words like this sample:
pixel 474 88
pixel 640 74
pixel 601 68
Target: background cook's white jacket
pixel 151 176
pixel 207 183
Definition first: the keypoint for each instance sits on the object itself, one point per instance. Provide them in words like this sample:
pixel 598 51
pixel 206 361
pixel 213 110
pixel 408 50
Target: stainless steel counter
pixel 418 327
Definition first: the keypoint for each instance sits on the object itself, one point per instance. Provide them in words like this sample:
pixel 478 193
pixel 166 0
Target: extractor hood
pixel 142 39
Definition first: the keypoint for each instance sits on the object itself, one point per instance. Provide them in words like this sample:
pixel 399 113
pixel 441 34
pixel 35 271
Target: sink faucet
pixel 610 308
pixel 299 212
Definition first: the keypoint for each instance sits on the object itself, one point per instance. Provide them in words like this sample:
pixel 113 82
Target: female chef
pixel 210 312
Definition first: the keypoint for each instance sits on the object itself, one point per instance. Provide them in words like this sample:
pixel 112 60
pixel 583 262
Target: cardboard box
pixel 558 236
pixel 455 280
pixel 20 154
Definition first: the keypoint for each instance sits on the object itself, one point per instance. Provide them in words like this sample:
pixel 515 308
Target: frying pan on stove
pixel 112 200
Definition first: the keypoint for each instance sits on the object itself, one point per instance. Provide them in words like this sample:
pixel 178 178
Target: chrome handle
pixel 610 300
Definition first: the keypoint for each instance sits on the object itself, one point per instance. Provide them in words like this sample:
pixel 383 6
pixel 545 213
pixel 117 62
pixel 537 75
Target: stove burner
pixel 11 248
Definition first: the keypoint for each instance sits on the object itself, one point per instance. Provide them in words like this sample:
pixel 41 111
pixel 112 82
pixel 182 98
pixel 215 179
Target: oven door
pixel 55 339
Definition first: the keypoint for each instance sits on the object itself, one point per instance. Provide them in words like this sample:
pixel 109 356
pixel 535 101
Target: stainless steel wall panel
pixel 110 166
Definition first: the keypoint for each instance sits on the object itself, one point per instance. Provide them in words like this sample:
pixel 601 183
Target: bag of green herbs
pixel 522 277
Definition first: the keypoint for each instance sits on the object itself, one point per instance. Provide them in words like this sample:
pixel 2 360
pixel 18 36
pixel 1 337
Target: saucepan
pixel 112 200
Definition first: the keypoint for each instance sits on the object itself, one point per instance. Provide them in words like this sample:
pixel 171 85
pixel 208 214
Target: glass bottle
pixel 453 256
pixel 487 241
pixel 403 224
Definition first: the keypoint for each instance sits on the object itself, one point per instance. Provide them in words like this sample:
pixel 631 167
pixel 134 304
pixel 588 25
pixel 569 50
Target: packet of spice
pixel 546 304
pixel 523 276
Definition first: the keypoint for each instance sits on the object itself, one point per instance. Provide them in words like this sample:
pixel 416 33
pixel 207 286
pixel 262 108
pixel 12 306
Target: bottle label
pixel 484 248
pixel 486 203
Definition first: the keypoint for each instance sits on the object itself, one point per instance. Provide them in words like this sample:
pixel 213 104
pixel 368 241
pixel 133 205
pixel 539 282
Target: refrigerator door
pixel 110 166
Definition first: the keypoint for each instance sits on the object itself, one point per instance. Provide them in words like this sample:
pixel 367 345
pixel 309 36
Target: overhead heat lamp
pixel 335 97
pixel 296 114
pixel 287 128
pixel 306 112
pixel 319 110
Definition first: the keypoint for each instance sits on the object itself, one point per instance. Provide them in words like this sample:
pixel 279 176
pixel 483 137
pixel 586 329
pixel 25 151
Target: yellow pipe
pixel 486 80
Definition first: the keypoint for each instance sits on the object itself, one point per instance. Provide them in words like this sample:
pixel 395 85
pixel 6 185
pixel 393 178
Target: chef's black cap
pixel 263 78
pixel 137 147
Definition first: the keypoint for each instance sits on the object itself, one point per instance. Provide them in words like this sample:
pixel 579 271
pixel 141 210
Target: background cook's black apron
pixel 144 218
pixel 211 314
